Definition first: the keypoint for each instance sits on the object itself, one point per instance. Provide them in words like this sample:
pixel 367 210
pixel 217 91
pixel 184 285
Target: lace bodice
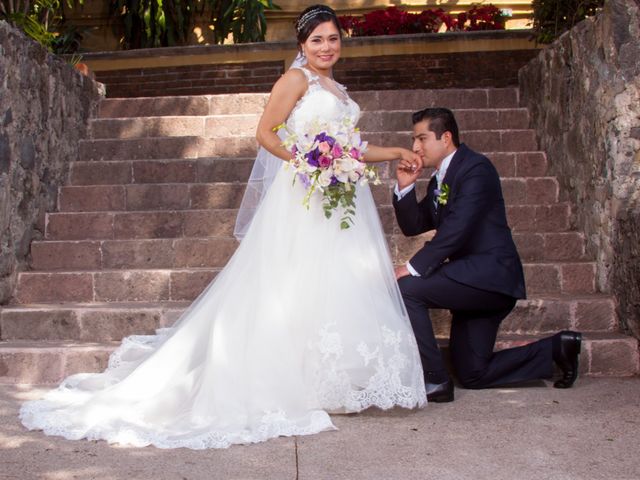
pixel 319 103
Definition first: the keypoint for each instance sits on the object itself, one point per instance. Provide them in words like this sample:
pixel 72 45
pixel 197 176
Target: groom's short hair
pixel 440 120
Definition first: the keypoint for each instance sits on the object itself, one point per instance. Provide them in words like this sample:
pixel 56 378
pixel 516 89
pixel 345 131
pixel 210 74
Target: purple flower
pixel 305 180
pixel 334 180
pixel 355 153
pixel 312 157
pixel 437 192
pixel 323 137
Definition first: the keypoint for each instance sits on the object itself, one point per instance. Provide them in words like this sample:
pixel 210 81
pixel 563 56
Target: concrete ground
pixel 589 432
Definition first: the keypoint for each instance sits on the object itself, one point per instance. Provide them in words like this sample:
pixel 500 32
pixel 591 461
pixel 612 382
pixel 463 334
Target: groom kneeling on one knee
pixel 470 267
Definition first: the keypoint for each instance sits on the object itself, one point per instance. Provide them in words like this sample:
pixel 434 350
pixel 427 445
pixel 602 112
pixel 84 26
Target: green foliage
pixel 553 17
pixel 43 20
pixel 163 23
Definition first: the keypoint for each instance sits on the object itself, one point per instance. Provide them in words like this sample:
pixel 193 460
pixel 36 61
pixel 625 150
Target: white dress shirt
pixel 439 174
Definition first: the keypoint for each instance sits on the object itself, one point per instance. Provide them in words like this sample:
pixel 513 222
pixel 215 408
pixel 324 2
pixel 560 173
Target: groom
pixel 470 267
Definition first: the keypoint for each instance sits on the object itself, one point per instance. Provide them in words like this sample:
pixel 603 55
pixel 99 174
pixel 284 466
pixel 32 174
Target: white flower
pixel 324 179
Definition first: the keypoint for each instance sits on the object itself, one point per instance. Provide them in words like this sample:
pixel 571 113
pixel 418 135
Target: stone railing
pixel 45 106
pixel 432 60
pixel 583 93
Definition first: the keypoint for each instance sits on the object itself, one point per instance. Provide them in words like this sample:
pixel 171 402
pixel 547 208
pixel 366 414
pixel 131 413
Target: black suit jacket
pixel 472 230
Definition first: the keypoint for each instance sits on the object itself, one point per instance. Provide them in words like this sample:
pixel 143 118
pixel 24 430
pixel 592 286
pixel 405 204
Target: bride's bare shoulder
pixel 293 82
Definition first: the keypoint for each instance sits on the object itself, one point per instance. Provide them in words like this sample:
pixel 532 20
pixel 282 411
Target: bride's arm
pixel 407 158
pixel 284 95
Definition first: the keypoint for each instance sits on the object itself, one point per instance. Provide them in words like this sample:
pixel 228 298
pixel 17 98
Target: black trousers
pixel 476 318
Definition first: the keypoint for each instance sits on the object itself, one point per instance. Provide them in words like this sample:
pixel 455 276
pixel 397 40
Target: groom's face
pixel 431 149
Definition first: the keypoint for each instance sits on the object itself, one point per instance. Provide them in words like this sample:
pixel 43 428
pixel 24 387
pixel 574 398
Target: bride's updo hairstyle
pixel 313 16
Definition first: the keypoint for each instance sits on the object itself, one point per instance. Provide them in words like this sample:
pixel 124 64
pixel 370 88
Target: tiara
pixel 304 19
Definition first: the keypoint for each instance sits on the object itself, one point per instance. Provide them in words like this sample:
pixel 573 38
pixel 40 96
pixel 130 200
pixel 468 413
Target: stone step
pixel 216 126
pixel 247 103
pixel 187 147
pixel 212 252
pixel 206 170
pixel 185 196
pixel 220 222
pixel 103 322
pixel 185 283
pixel 603 354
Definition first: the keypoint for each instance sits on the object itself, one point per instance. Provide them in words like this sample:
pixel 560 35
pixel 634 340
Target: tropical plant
pixel 162 23
pixel 553 17
pixel 43 20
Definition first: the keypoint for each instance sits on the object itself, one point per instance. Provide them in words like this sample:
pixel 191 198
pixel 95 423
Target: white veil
pixel 265 168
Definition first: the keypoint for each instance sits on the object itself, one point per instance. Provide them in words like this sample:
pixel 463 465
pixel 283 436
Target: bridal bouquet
pixel 327 159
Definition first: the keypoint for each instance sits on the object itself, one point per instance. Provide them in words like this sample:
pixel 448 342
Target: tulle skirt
pixel 306 319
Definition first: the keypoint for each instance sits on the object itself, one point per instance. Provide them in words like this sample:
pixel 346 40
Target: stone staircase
pixel 146 222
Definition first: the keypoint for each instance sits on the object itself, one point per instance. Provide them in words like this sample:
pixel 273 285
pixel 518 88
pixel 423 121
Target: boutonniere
pixel 442 194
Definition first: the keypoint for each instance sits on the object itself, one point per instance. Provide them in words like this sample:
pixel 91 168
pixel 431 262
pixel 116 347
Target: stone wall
pixel 45 106
pixel 583 93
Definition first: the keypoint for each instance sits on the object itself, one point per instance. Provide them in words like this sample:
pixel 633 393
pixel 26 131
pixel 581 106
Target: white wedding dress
pixel 305 319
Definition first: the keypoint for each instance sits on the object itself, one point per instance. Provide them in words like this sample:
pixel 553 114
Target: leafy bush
pixel 163 23
pixel 553 17
pixel 43 20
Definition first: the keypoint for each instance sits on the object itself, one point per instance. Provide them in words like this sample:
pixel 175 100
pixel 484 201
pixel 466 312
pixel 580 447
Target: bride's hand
pixel 408 170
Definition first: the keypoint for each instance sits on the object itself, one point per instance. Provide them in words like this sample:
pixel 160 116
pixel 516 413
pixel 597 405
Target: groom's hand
pixel 402 271
pixel 408 170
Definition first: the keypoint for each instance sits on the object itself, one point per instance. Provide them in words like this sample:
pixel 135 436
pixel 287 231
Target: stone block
pixel 505 163
pixel 206 252
pixel 186 285
pixel 517 118
pixel 84 360
pixel 23 366
pixel 54 287
pixel 538 316
pixel 100 173
pixel 219 195
pixel 502 98
pixel 596 314
pixel 228 147
pixel 542 278
pixel 518 141
pixel 237 104
pixel 132 286
pixel 141 127
pixel 104 325
pixel 146 107
pixel 613 356
pixel 158 253
pixel 39 324
pixel 66 255
pixel 531 164
pixel 209 223
pixel 94 198
pixel 167 171
pixel 578 277
pixel 565 246
pixel 148 225
pixel 157 197
pixel 235 125
pixel 142 148
pixel 514 191
pixel 223 170
pixel 541 190
pixel 530 246
pixel 79 226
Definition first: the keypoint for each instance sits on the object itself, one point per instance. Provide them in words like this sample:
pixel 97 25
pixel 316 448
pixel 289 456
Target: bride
pixel 305 320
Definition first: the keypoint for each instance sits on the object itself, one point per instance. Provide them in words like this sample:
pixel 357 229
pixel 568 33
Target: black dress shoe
pixel 440 392
pixel 566 354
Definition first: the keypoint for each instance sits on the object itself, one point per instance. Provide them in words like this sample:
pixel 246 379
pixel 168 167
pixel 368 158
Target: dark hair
pixel 313 16
pixel 440 120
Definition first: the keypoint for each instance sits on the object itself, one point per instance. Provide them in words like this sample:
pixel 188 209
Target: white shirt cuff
pixel 412 270
pixel 404 191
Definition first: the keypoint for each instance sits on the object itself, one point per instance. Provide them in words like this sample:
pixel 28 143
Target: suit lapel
pixel 452 171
